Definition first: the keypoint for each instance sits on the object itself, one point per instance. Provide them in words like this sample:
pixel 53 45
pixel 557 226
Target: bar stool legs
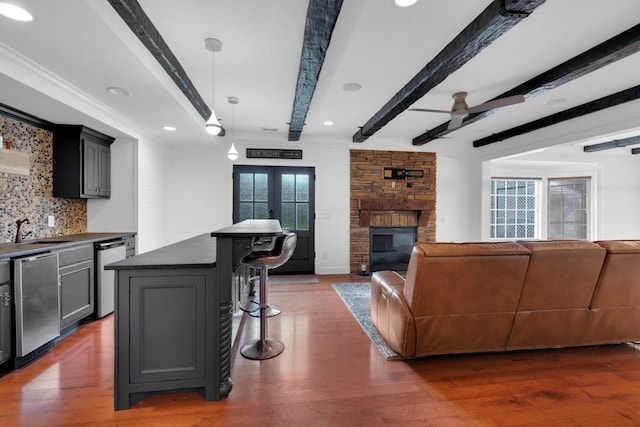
pixel 263 348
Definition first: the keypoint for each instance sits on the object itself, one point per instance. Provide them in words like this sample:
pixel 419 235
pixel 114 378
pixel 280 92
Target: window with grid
pixel 568 208
pixel 513 208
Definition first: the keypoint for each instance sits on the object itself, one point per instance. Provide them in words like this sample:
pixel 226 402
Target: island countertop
pixel 199 251
pixel 250 228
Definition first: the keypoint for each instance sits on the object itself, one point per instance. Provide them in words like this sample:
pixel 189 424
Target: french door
pixel 283 193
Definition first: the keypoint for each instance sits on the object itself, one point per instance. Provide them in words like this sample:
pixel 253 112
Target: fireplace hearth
pixel 390 247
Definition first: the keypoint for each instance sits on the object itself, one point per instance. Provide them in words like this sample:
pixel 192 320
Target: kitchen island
pixel 174 314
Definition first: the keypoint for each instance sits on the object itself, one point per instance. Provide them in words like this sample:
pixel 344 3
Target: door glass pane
pixel 246 211
pixel 302 216
pixel 246 187
pixel 302 188
pixel 261 211
pixel 288 216
pixel 261 193
pixel 288 188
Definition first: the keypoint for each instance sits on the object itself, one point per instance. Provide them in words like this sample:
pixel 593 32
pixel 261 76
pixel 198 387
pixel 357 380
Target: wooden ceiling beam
pixel 635 151
pixel 498 18
pixel 321 20
pixel 616 143
pixel 610 51
pixel 132 14
pixel 617 98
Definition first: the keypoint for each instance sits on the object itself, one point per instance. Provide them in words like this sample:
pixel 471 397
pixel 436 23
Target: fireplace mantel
pixel 367 207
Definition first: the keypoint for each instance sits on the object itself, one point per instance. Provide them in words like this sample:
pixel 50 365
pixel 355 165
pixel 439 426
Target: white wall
pixel 152 195
pixel 619 198
pixel 120 212
pixel 199 192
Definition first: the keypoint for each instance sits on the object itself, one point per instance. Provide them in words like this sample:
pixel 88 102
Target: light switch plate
pixel 51 221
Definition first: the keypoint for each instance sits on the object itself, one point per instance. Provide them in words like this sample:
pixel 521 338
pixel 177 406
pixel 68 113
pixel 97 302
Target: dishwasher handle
pixel 110 245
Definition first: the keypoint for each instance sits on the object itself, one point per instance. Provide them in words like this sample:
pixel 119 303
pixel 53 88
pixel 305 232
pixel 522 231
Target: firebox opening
pixel 390 247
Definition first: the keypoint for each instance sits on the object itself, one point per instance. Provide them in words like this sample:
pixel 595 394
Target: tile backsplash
pixel 32 196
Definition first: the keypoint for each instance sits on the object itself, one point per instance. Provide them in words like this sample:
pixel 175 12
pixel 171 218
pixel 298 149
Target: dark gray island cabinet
pixel 174 313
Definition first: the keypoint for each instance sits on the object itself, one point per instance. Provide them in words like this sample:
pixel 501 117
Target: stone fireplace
pixel 380 201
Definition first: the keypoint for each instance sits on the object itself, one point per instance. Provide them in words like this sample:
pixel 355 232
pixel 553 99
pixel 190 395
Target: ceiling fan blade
pixel 455 123
pixel 502 102
pixel 428 110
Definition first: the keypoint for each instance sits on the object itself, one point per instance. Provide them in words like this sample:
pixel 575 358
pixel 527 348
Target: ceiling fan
pixel 461 110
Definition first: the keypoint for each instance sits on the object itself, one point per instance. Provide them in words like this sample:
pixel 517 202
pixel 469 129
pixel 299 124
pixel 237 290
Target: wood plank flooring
pixel 330 374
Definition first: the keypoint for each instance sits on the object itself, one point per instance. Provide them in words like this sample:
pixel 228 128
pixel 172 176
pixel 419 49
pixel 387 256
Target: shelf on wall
pixel 14 162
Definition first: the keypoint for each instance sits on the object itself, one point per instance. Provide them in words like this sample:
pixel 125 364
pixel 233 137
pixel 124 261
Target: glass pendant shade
pixel 232 154
pixel 213 125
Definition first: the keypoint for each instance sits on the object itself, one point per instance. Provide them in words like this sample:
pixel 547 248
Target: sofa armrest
pixel 390 313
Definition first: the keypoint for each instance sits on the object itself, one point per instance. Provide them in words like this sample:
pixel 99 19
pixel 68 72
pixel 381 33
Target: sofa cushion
pixel 464 278
pixel 562 274
pixel 619 284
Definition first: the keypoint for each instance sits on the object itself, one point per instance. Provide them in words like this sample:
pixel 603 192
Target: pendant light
pixel 213 125
pixel 232 154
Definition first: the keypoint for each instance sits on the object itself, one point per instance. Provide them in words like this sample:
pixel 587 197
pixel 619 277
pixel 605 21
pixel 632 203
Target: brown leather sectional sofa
pixel 484 297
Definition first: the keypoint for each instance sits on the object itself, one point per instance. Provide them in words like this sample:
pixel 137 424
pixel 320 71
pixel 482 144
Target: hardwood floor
pixel 330 374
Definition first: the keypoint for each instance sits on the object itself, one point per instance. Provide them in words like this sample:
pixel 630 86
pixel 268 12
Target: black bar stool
pixel 285 244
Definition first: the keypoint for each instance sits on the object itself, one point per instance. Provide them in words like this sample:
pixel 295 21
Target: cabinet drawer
pixel 75 255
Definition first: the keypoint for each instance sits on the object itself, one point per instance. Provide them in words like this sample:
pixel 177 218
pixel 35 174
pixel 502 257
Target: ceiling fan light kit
pixel 460 110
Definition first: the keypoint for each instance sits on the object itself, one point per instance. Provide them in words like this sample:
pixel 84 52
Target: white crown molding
pixel 32 75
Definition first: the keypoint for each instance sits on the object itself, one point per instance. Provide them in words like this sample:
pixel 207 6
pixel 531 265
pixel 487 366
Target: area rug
pixel 289 279
pixel 357 297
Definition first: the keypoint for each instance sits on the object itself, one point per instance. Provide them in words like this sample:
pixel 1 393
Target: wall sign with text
pixel 400 173
pixel 268 153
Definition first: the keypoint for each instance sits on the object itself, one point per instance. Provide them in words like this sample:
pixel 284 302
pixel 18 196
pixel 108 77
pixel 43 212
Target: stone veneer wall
pixel 32 196
pixel 367 182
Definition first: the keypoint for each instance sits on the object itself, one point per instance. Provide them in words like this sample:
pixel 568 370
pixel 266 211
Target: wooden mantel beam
pixel 367 207
pixel 321 19
pixel 498 18
pixel 607 52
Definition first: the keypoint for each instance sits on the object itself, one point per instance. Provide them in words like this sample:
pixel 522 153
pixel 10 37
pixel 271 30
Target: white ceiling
pixel 59 66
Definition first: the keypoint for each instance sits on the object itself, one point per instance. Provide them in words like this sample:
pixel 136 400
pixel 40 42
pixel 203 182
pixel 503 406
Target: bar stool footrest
pixel 261 350
pixel 271 311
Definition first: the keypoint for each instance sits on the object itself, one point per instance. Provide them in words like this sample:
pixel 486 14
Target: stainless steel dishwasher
pixel 106 253
pixel 37 302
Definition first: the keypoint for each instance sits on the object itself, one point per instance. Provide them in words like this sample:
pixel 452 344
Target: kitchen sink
pixel 44 242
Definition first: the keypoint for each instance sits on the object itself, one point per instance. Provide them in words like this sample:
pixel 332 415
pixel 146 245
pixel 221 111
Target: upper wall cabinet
pixel 81 163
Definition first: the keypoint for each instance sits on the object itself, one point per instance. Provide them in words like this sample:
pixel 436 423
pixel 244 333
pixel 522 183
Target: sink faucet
pixel 19 235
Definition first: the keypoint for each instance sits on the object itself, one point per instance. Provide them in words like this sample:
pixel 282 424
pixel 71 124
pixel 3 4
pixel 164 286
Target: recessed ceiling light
pixel 328 123
pixel 14 12
pixel 169 128
pixel 351 87
pixel 405 3
pixel 118 91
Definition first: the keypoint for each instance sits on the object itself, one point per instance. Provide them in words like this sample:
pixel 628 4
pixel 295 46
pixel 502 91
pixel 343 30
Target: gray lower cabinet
pixel 165 335
pixel 76 285
pixel 6 323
